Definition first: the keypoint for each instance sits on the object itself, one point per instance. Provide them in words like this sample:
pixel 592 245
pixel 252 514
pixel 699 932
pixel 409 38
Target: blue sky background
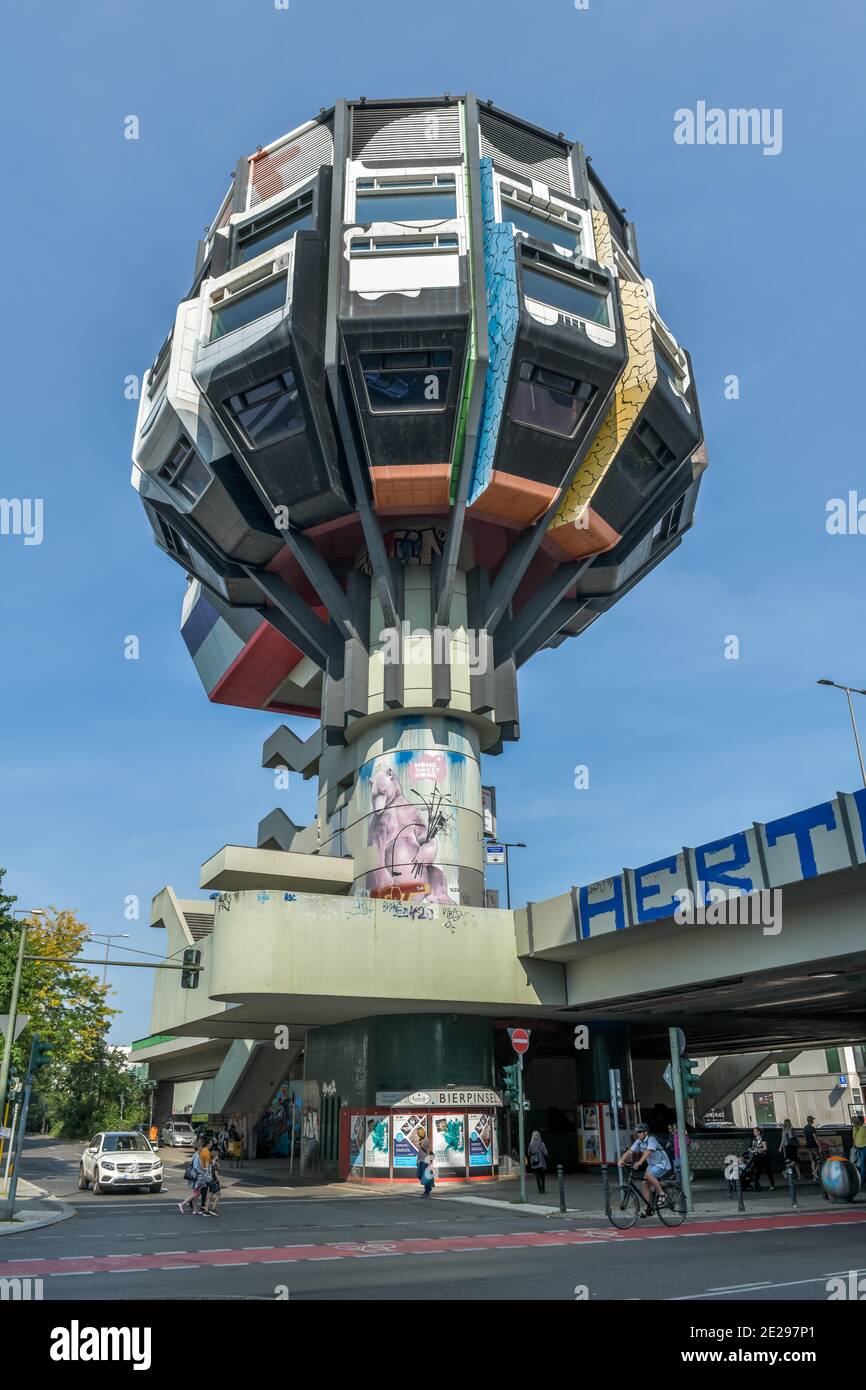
pixel 118 776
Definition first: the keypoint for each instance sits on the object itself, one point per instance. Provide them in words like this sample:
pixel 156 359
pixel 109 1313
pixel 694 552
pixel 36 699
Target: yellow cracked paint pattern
pixel 603 239
pixel 635 384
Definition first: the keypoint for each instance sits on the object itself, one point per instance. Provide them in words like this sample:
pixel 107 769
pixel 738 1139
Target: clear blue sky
pixel 118 776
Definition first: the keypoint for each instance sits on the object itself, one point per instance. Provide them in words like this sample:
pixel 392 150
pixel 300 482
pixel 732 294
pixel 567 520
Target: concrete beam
pixel 239 867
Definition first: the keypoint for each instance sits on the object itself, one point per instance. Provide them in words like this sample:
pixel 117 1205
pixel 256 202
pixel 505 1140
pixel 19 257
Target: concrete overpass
pixel 609 952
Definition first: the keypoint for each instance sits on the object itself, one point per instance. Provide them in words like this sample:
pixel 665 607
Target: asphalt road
pixel 268 1244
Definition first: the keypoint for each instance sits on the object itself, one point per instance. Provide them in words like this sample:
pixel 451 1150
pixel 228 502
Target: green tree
pixel 85 1085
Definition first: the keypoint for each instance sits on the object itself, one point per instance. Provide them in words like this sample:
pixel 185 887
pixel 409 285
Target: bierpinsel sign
pixel 483 1096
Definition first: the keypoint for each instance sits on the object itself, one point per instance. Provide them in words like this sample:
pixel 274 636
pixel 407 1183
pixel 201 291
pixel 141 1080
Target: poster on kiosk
pixel 596 1133
pixel 480 1143
pixel 449 1145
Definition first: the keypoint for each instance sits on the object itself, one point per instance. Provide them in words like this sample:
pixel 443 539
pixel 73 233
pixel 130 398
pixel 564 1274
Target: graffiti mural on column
pixel 412 827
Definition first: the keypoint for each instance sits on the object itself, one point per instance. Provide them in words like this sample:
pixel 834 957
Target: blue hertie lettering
pixel 800 825
pixel 643 891
pixel 589 910
pixel 722 873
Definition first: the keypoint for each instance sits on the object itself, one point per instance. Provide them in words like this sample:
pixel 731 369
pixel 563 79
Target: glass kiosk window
pixel 548 400
pixel 270 411
pixel 185 471
pixel 406 380
pixel 237 310
pixel 567 294
pixel 532 220
pixel 422 199
pixel 265 232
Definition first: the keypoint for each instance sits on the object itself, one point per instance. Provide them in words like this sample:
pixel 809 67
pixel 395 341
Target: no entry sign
pixel 519 1039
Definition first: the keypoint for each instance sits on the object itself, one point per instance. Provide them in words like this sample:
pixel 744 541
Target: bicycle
pixel 624 1208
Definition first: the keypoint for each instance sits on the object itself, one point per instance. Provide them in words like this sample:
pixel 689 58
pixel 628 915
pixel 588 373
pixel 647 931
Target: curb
pixel 34 1221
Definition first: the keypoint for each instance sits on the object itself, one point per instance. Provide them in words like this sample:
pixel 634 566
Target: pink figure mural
pixel 407 841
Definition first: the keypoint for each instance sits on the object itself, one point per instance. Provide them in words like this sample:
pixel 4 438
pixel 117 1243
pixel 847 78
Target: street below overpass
pixel 271 1242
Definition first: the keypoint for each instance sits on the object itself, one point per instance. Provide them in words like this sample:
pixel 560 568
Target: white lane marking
pixel 213 1250
pixel 234 1264
pixel 69 1273
pixel 175 1252
pixel 167 1267
pixel 280 1261
pixel 732 1288
pixel 323 1259
pixel 258 1247
pixel 132 1270
pixel 750 1288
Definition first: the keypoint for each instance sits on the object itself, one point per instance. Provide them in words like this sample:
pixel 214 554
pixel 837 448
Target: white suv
pixel 119 1158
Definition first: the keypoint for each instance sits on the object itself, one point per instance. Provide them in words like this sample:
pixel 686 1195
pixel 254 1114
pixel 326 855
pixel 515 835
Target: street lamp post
pixel 507 845
pixel 108 937
pixel 849 691
pixel 13 1003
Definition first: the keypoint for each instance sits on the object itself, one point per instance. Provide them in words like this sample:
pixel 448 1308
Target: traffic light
pixel 509 1084
pixel 691 1082
pixel 40 1053
pixel 190 976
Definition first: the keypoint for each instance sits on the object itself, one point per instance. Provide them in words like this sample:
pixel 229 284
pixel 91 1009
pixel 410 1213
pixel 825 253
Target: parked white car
pixel 119 1158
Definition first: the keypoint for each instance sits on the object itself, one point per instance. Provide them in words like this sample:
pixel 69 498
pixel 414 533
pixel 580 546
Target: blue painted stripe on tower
pixel 500 270
pixel 198 624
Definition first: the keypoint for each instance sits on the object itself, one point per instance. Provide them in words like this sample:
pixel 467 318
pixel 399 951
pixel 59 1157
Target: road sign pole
pixel 677 1077
pixel 7 1206
pixel 521 1128
pixel 615 1086
pixel 10 1031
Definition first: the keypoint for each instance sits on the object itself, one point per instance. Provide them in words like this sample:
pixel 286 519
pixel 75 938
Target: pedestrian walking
pixel 789 1148
pixel 210 1193
pixel 198 1175
pixel 813 1148
pixel 423 1148
pixel 858 1150
pixel 761 1156
pixel 428 1176
pixel 537 1155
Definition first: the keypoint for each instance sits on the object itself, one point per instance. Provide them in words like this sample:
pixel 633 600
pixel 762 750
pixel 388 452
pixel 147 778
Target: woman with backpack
pixel 537 1155
pixel 210 1194
pixel 198 1175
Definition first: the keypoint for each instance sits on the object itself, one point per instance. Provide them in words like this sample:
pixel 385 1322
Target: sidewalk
pixel 584 1197
pixel 33 1209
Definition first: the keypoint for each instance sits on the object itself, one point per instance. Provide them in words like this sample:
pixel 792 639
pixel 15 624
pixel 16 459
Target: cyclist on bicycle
pixel 647 1149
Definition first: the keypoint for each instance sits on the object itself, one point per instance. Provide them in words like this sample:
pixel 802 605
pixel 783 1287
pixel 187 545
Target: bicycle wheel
pixel 624 1208
pixel 674 1212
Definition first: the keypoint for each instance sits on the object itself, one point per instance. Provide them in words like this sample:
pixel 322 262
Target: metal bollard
pixel 741 1206
pixel 791 1187
pixel 605 1185
pixel 560 1177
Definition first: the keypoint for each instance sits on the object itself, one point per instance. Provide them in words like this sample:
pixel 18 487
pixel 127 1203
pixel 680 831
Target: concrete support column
pixel 404 800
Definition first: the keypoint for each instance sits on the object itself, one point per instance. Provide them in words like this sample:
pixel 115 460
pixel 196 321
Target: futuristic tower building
pixel 417 418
